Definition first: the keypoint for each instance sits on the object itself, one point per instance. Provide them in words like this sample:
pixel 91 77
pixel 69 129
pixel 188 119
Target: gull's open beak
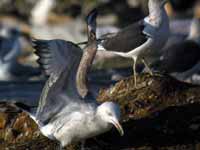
pixel 117 125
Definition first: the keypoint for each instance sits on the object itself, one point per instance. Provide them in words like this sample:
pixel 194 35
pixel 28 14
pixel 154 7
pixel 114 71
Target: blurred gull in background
pixel 10 50
pixel 41 28
pixel 181 15
pixel 40 12
pixel 182 58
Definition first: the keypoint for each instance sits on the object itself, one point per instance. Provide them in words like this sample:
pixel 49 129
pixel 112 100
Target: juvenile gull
pixel 144 38
pixel 62 114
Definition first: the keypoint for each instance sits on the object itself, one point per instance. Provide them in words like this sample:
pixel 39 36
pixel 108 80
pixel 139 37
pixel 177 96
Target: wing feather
pixel 127 39
pixel 59 59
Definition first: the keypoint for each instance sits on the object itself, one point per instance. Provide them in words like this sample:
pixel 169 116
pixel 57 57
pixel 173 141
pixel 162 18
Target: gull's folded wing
pixel 127 39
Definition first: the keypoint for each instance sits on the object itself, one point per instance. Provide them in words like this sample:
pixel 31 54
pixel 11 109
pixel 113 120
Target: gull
pixel 63 114
pixel 183 57
pixel 143 39
pixel 9 43
pixel 39 14
pixel 10 50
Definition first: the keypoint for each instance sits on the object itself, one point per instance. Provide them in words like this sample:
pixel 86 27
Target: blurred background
pixel 64 19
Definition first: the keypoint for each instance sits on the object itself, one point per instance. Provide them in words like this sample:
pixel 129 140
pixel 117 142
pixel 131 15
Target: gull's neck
pixel 85 65
pixel 100 123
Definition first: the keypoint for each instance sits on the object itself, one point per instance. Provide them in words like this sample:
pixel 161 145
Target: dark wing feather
pixel 53 54
pixel 180 57
pixel 127 39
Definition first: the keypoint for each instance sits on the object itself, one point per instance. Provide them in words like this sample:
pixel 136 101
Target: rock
pixel 162 113
pixel 3 119
pixel 154 93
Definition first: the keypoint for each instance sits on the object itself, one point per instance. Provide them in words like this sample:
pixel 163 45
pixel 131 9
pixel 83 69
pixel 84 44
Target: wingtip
pixel 92 15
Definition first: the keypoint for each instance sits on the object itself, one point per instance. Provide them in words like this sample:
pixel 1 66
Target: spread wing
pixel 127 39
pixel 59 60
pixel 53 54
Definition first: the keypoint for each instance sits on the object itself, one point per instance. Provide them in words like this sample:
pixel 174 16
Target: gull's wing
pixel 180 57
pixel 127 39
pixel 59 59
pixel 108 35
pixel 54 54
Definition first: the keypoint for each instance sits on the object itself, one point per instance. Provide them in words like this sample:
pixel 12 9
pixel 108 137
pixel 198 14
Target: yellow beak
pixel 118 126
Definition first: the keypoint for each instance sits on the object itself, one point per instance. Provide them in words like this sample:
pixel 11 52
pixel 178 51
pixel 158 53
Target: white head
pixel 110 113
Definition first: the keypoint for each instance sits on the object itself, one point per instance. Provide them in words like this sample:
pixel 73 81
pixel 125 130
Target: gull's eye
pixel 109 114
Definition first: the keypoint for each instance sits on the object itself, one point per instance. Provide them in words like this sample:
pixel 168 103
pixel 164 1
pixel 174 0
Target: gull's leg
pixel 147 66
pixel 134 70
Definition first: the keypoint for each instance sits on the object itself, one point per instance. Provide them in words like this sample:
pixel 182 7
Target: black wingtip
pixel 35 43
pixel 91 17
pixel 39 46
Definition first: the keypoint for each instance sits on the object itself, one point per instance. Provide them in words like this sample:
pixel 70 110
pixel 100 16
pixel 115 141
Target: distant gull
pixel 180 20
pixel 179 30
pixel 10 50
pixel 144 38
pixel 62 114
pixel 9 42
pixel 183 57
pixel 40 12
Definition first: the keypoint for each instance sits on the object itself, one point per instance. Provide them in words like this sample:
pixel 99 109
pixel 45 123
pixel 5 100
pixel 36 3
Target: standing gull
pixel 144 38
pixel 62 114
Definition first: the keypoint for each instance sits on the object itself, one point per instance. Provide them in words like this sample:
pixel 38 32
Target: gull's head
pixel 91 21
pixel 110 113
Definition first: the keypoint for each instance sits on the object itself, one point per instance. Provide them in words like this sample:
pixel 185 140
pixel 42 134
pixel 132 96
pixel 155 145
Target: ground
pixel 162 113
